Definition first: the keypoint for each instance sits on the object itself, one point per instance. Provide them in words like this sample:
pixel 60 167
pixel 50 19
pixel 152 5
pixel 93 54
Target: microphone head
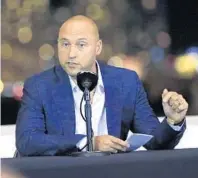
pixel 86 79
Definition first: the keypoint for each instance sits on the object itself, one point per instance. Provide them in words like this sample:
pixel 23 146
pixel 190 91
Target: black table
pixel 143 164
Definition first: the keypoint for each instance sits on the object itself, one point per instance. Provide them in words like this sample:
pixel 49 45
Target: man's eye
pixel 81 45
pixel 65 44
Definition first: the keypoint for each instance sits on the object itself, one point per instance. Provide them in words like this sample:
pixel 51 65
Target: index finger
pixel 168 96
pixel 119 141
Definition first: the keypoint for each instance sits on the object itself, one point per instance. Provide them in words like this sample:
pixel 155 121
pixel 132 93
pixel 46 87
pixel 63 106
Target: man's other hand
pixel 109 143
pixel 175 106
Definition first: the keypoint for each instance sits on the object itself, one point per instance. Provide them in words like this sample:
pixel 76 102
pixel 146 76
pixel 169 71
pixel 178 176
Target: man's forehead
pixel 78 29
pixel 77 36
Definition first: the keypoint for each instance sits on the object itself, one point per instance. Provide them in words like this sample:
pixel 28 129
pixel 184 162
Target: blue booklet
pixel 137 140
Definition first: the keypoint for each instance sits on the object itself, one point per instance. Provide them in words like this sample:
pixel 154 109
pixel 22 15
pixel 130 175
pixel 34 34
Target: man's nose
pixel 72 52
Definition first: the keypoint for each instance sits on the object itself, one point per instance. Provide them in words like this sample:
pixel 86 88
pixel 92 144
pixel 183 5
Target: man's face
pixel 78 47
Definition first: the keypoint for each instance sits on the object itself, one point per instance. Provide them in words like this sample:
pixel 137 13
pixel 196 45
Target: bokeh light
pixel 186 65
pixel 104 20
pixel 28 4
pixel 116 61
pixel 193 50
pixel 46 52
pixel 17 90
pixel 149 4
pixel 12 4
pixel 6 51
pixel 133 63
pixel 95 12
pixel 62 14
pixel 99 2
pixel 143 40
pixel 106 52
pixel 157 54
pixel 1 86
pixel 120 6
pixel 40 3
pixel 163 39
pixel 25 35
pixel 119 40
pixel 144 57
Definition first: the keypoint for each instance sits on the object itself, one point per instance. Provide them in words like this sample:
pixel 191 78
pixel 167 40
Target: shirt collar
pixel 99 87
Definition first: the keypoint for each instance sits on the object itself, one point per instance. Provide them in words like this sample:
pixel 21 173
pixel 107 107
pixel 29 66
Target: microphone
pixel 87 80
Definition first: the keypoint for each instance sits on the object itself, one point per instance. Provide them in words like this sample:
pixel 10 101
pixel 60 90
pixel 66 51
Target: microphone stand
pixel 88 116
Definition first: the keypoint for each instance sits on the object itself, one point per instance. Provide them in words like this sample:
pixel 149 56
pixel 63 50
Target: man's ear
pixel 98 47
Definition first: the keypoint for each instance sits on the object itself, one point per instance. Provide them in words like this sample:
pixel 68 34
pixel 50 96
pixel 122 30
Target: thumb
pixel 165 91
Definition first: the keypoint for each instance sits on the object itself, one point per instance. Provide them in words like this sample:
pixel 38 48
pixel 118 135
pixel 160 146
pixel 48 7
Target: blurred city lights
pixel 7 90
pixel 132 63
pixel 25 35
pixel 144 57
pixel 163 39
pixel 143 39
pixel 99 2
pixel 104 20
pixel 106 52
pixel 27 4
pixel 119 39
pixel 149 4
pixel 38 3
pixel 46 52
pixel 193 50
pixel 116 61
pixel 157 54
pixel 120 6
pixel 186 65
pixel 6 51
pixel 62 14
pixel 95 12
pixel 1 86
pixel 12 4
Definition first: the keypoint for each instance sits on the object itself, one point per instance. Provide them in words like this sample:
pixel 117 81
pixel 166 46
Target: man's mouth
pixel 72 64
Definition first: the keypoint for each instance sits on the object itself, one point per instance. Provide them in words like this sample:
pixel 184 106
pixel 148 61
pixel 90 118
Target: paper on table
pixel 137 140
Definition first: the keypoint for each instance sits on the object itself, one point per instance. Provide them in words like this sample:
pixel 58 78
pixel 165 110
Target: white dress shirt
pixel 99 122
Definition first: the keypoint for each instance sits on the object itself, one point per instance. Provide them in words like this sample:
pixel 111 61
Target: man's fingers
pixel 117 146
pixel 165 91
pixel 168 96
pixel 183 107
pixel 119 141
pixel 113 150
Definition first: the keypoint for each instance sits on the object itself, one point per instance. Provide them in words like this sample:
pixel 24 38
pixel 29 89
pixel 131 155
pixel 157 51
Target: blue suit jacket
pixel 46 119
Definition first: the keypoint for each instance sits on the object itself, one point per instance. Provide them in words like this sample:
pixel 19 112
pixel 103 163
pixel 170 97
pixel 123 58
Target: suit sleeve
pixel 145 121
pixel 31 136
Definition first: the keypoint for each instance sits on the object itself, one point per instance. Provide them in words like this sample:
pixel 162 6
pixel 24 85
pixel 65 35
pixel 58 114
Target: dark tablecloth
pixel 143 164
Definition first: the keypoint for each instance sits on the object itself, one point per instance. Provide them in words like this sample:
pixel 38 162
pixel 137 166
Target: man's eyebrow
pixel 85 39
pixel 79 39
pixel 63 39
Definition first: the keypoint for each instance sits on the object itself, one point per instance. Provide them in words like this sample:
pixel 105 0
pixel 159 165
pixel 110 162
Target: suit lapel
pixel 112 101
pixel 64 102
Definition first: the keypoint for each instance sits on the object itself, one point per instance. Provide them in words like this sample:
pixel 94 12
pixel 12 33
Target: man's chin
pixel 72 73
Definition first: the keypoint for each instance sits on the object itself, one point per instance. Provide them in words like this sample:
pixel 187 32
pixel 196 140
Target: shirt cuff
pixel 82 143
pixel 177 127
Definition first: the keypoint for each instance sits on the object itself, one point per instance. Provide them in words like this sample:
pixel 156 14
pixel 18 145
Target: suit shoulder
pixel 122 72
pixel 46 76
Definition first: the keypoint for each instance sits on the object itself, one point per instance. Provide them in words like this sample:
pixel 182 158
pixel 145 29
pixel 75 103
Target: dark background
pixel 182 22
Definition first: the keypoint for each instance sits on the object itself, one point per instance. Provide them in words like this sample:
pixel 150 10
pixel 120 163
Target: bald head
pixel 78 45
pixel 80 24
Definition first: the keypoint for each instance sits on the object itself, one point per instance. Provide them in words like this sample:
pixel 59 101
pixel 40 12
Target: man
pixel 49 120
